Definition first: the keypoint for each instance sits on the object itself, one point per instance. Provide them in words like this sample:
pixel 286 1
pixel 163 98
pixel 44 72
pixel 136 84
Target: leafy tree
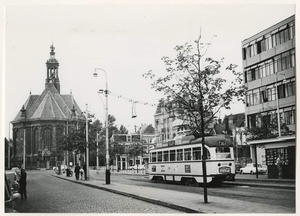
pixel 123 130
pixel 198 92
pixel 266 127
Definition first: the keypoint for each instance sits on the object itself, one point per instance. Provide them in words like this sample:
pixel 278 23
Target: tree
pixel 199 92
pixel 123 130
pixel 265 126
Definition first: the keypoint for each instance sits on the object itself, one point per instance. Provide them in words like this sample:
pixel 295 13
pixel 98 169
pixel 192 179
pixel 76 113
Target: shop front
pixel 279 149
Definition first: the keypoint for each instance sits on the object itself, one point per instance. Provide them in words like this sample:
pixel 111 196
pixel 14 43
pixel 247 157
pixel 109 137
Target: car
pixel 17 171
pixel 238 167
pixel 10 196
pixel 62 168
pixel 135 167
pixel 251 169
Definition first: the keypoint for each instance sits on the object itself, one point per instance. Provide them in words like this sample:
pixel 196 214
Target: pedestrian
pixel 279 164
pixel 76 170
pixel 22 182
pixel 81 172
pixel 84 169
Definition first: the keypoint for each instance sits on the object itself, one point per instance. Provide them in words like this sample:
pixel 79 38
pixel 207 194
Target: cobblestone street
pixel 47 194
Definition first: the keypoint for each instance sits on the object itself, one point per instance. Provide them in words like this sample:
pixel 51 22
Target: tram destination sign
pixel 222 142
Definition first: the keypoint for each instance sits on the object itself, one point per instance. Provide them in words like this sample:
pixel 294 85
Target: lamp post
pixel 107 173
pixel 97 158
pixel 87 144
pixel 277 102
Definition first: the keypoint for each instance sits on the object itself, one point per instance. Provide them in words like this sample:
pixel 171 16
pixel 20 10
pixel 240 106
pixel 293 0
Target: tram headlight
pixel 230 164
pixel 219 164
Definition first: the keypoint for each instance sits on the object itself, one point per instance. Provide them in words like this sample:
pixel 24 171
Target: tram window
pixel 197 153
pixel 187 154
pixel 166 155
pixel 153 156
pixel 159 156
pixel 179 154
pixel 172 155
pixel 207 153
pixel 222 152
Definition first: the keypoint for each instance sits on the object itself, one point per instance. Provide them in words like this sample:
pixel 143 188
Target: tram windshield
pixel 223 152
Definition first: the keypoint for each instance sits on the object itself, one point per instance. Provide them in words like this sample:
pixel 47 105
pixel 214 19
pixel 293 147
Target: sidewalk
pixel 192 203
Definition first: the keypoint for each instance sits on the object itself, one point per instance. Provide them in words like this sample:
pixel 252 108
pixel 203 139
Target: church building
pixel 42 121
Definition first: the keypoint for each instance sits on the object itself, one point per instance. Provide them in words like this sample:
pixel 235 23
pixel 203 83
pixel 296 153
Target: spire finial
pixel 52 53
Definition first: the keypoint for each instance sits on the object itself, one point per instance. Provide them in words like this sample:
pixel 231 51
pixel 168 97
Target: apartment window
pixel 281 91
pixel 266 119
pixel 268 42
pixel 256 98
pixel 244 52
pixel 292 57
pixel 271 92
pixel 273 40
pixel 245 76
pixel 259 45
pixel 252 121
pixel 291 30
pixel 277 65
pixel 286 60
pixel 289 117
pixel 290 88
pixel 264 95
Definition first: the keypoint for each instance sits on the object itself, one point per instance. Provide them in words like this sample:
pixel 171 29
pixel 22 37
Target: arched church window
pixel 47 138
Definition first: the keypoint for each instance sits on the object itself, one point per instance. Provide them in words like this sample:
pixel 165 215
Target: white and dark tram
pixel 183 162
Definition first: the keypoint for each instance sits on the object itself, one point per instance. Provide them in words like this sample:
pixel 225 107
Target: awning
pixel 283 27
pixel 275 31
pixel 246 45
pixel 260 38
pixel 266 141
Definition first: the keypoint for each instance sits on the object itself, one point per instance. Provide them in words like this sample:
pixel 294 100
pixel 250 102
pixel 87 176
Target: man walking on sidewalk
pixel 76 170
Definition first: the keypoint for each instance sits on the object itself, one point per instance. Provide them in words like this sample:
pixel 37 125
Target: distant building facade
pixel 144 137
pixel 234 125
pixel 269 66
pixel 42 121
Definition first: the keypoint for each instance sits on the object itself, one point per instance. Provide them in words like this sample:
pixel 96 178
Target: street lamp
pixel 107 174
pixel 87 165
pixel 277 102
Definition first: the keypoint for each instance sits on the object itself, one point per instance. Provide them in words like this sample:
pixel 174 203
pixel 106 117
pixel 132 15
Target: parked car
pixel 238 167
pixel 135 167
pixel 10 196
pixel 62 168
pixel 17 171
pixel 251 169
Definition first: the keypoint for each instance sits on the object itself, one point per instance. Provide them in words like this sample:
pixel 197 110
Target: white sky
pixel 126 41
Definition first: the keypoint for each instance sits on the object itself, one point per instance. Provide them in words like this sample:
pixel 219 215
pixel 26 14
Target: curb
pixel 157 202
pixel 292 187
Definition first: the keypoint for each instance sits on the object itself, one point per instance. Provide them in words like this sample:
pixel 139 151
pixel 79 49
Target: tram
pixel 183 162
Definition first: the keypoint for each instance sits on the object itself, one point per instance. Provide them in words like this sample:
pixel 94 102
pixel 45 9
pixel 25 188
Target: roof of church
pixel 50 105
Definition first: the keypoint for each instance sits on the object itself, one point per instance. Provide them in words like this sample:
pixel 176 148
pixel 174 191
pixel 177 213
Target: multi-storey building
pixel 269 66
pixel 144 136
